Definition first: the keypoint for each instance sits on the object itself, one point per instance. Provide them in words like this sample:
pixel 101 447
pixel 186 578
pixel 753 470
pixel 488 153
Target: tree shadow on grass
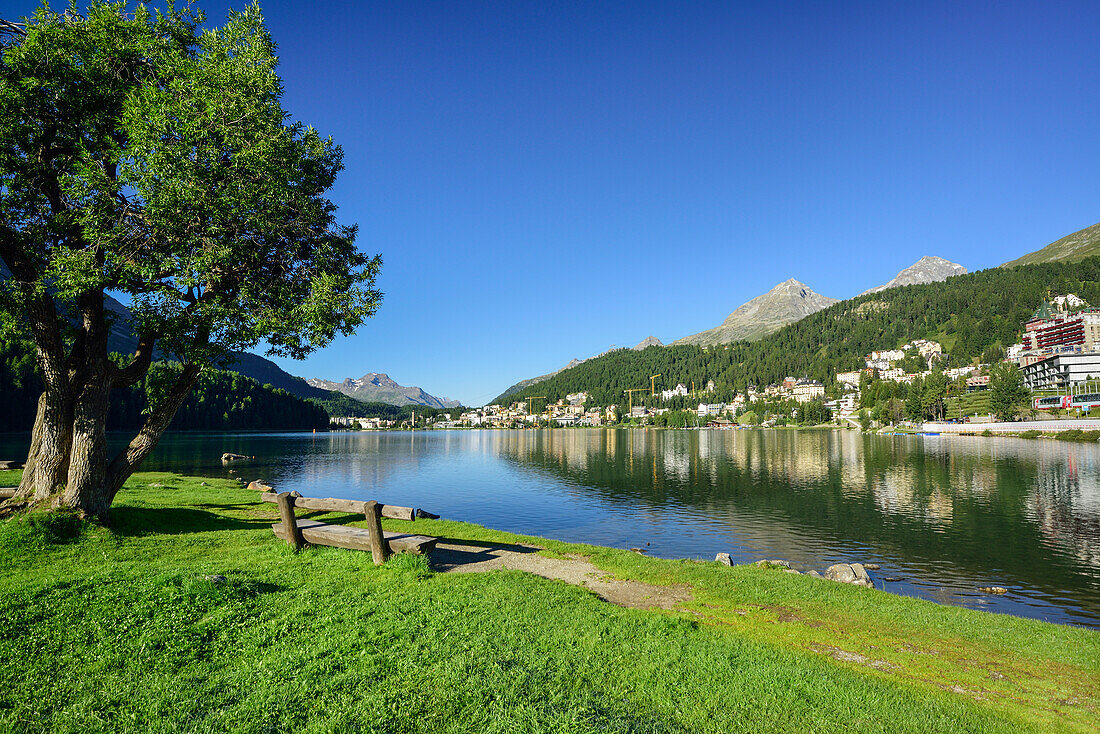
pixel 136 521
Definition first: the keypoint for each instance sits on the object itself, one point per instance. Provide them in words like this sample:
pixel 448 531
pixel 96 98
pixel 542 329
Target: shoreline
pixel 933 667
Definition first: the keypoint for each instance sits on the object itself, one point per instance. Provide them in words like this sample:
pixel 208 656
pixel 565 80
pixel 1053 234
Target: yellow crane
pixel 652 384
pixel 630 399
pixel 530 402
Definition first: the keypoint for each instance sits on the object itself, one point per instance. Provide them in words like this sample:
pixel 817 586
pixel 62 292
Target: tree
pixel 864 420
pixel 1008 395
pixel 144 158
pixel 933 393
pixel 914 400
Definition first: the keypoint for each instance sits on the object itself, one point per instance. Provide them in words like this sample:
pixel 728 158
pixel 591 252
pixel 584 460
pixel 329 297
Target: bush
pixel 1078 435
pixel 1031 434
pixel 987 432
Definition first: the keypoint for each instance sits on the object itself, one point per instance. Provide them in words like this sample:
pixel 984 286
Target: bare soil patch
pixel 460 558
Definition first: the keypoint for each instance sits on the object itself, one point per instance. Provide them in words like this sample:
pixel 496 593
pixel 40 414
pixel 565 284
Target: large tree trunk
pixel 129 460
pixel 85 488
pixel 47 462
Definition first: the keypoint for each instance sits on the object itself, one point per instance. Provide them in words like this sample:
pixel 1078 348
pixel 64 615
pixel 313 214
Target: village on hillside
pixel 1057 355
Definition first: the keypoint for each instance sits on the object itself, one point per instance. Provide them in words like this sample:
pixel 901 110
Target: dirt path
pixel 454 558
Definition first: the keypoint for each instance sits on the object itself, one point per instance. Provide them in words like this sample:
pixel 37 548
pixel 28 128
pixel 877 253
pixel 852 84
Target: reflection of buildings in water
pixel 899 491
pixel 1066 507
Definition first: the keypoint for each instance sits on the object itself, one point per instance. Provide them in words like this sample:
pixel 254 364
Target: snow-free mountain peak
pixel 649 341
pixel 787 302
pixel 929 269
pixel 378 387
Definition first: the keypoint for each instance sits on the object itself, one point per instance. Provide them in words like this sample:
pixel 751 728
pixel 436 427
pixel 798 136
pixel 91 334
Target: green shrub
pixel 1076 434
pixel 987 432
pixel 1031 434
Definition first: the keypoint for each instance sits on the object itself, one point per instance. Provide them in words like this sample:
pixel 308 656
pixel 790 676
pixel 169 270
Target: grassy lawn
pixel 119 631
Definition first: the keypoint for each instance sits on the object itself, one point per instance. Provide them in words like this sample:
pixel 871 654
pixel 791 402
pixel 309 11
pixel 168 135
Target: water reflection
pixel 945 514
pixel 941 515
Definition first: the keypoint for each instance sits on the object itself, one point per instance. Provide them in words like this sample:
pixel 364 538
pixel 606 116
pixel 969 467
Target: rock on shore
pixel 849 573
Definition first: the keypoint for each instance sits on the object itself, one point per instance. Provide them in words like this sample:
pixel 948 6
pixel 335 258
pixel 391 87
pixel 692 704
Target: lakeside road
pixel 122 630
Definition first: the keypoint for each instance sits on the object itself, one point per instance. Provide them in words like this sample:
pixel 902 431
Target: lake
pixel 941 515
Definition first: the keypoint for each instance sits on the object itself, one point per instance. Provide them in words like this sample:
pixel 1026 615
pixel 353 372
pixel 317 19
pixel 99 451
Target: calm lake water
pixel 942 516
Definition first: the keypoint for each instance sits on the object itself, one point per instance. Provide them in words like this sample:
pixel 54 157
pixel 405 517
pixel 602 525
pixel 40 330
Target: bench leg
pixel 373 512
pixel 286 513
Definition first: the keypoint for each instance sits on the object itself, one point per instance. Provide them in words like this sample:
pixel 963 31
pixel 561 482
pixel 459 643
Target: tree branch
pixel 139 364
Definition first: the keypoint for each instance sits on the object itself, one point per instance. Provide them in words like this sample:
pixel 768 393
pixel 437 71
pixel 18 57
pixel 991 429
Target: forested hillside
pixel 220 401
pixel 969 314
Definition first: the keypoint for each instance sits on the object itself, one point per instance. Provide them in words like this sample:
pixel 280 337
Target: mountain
pixel 971 315
pixel 928 269
pixel 378 387
pixel 123 340
pixel 788 302
pixel 1071 248
pixel 649 341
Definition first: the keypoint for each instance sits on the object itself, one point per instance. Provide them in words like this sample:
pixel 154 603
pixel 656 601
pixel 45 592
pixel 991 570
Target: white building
pixel 886 355
pixel 706 409
pixel 680 390
pixel 1060 371
pixel 896 374
pixel 848 378
pixel 806 390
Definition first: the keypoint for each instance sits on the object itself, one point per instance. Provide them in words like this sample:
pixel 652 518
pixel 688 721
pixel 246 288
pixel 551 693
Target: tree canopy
pixel 144 156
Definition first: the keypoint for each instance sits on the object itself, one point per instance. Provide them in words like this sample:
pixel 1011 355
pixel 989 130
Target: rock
pixel 638 550
pixel 202 484
pixel 893 578
pixel 993 590
pixel 216 579
pixel 774 564
pixel 871 566
pixel 815 574
pixel 11 464
pixel 791 570
pixel 852 573
pixel 259 486
pixel 724 559
pixel 425 515
pixel 227 457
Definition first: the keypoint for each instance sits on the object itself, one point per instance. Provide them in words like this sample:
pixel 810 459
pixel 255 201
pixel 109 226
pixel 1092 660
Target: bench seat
pixel 342 536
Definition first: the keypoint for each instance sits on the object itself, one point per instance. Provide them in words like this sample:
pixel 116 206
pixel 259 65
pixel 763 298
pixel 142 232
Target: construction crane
pixel 630 398
pixel 530 401
pixel 652 384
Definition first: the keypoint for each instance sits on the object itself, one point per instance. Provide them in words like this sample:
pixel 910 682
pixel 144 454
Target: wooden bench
pixel 372 538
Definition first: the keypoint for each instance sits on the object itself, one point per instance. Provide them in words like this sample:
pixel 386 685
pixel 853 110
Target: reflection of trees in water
pixel 1012 505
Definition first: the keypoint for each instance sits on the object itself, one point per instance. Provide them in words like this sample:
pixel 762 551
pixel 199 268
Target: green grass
pixel 974 403
pixel 119 631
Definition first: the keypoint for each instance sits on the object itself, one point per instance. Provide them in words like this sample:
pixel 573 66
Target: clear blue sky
pixel 546 179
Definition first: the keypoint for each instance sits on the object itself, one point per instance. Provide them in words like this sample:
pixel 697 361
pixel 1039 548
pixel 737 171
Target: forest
pixel 221 400
pixel 974 316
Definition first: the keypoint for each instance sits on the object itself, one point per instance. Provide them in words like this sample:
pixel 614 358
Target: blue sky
pixel 546 179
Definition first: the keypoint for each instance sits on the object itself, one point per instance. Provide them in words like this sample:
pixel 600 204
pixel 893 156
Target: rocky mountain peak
pixel 789 301
pixel 378 387
pixel 929 269
pixel 649 341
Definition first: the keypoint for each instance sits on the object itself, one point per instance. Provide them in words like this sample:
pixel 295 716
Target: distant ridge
pixel 1071 248
pixel 786 303
pixel 929 269
pixel 649 341
pixel 378 387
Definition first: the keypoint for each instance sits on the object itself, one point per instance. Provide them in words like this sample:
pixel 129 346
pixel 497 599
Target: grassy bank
pixel 119 630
